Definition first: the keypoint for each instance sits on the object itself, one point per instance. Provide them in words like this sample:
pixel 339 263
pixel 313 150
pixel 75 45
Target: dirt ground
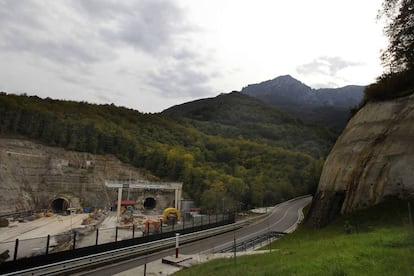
pixel 32 234
pixel 41 227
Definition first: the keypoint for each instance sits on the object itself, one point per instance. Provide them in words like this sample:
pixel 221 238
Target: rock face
pixel 372 159
pixel 326 107
pixel 286 90
pixel 33 176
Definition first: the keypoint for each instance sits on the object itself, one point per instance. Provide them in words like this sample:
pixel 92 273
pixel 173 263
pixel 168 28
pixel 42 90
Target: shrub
pixel 390 86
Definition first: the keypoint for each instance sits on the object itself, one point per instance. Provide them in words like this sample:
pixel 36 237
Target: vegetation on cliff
pixel 214 159
pixel 398 58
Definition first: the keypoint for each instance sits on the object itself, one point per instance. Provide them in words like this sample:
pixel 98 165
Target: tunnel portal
pixel 150 203
pixel 60 205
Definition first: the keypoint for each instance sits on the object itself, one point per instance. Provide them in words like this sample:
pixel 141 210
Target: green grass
pixel 370 242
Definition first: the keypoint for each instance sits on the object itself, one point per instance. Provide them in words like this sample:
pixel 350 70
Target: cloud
pixel 87 45
pixel 49 31
pixel 91 31
pixel 153 26
pixel 180 80
pixel 327 71
pixel 325 65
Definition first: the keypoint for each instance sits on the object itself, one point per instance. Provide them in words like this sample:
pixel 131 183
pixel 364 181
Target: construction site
pixel 140 208
pixel 52 200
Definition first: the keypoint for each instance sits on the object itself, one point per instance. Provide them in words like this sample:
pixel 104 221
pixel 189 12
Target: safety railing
pixel 93 240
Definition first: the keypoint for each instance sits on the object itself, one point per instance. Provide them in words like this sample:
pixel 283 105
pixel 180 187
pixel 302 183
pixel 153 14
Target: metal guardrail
pixel 79 264
pixel 251 243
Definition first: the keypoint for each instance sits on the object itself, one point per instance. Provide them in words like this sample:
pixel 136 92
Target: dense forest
pixel 236 115
pixel 252 156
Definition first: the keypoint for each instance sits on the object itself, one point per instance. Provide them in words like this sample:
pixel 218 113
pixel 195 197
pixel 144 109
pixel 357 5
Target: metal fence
pixel 73 240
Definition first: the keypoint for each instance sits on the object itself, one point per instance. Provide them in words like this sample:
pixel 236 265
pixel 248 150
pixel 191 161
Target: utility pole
pixel 235 247
pixel 118 209
pixel 410 220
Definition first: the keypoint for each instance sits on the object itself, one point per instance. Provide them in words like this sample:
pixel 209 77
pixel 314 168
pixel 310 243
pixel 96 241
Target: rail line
pixel 99 259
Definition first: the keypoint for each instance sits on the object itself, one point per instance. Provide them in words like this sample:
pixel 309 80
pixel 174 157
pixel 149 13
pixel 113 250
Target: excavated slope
pixel 33 175
pixel 372 159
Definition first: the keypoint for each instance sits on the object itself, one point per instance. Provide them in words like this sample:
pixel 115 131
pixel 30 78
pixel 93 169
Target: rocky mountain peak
pixel 288 81
pixel 282 85
pixel 318 106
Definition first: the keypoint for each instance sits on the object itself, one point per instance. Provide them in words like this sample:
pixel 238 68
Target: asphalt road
pixel 282 218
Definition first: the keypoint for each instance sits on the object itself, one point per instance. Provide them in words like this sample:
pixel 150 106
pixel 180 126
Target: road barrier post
pixel 177 238
pixel 74 240
pixel 47 244
pixel 16 247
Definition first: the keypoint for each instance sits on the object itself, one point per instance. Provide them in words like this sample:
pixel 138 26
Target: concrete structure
pixel 146 185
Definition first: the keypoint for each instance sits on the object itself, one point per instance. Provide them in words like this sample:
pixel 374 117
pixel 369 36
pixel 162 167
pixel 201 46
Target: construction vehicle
pixel 170 216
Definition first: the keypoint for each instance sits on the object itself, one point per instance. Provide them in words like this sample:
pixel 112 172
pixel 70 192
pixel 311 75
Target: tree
pixel 399 56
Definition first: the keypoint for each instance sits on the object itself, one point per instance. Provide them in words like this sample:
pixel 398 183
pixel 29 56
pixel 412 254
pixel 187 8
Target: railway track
pixel 95 260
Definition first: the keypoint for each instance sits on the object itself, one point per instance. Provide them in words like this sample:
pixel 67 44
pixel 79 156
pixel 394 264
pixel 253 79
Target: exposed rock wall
pixel 33 175
pixel 372 159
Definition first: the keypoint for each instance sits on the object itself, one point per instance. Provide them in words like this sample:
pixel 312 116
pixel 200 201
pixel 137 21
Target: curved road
pixel 282 218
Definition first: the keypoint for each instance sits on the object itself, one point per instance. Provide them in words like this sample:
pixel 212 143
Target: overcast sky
pixel 151 54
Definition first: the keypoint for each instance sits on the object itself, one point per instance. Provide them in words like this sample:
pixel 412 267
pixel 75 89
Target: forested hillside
pixel 246 167
pixel 236 115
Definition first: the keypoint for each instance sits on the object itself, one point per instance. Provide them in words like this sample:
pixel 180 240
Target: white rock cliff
pixel 372 159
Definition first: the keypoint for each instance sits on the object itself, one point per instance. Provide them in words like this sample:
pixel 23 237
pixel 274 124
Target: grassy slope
pixel 378 244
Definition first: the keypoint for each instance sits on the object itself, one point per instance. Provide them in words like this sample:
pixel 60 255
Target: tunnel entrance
pixel 149 203
pixel 60 205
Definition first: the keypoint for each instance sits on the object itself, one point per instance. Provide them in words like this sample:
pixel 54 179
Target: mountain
pixel 327 106
pixel 236 115
pixel 243 162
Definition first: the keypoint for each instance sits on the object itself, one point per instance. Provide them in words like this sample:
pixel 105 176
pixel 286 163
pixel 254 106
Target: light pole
pixel 71 212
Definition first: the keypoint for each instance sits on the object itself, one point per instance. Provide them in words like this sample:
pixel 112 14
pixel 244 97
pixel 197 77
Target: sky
pixel 149 55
